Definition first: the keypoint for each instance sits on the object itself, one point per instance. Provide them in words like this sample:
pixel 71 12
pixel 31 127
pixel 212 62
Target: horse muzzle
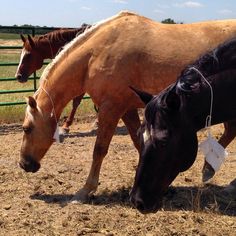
pixel 21 78
pixel 29 165
pixel 145 207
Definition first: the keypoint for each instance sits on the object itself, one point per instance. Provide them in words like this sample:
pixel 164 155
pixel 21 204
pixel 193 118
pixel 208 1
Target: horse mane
pixel 79 40
pixel 61 35
pixel 158 103
pixel 219 59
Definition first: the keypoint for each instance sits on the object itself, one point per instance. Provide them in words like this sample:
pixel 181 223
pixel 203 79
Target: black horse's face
pixel 169 146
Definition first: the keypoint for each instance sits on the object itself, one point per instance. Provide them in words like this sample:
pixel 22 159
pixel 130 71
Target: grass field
pixel 6 36
pixel 10 114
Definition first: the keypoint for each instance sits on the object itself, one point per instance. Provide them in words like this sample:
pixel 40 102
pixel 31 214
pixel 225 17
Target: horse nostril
pixel 20 78
pixel 29 165
pixel 138 203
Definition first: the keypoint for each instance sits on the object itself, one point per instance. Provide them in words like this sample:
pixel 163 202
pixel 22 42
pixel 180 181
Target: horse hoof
pixel 64 130
pixel 62 133
pixel 80 197
pixel 207 173
pixel 95 125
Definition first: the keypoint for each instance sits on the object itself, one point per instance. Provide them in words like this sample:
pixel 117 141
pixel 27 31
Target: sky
pixel 73 13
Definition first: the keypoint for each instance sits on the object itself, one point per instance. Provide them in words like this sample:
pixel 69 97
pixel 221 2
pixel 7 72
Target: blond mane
pixel 78 40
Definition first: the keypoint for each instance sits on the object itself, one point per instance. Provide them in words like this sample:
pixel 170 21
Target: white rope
pixel 53 107
pixel 209 117
pixel 214 153
pixel 56 135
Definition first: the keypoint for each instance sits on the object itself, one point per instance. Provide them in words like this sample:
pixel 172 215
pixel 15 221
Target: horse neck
pixel 221 58
pixel 61 85
pixel 198 104
pixel 51 99
pixel 54 41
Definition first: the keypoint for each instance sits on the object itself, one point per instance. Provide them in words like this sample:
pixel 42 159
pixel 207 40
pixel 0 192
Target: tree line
pixel 26 29
pixel 17 29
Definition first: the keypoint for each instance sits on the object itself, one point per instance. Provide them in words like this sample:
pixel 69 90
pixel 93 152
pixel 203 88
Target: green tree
pixel 168 21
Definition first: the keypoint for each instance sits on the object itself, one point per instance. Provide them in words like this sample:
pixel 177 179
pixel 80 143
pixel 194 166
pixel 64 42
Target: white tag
pixel 214 153
pixel 146 136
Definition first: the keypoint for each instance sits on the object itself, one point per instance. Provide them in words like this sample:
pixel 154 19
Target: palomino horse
pixel 124 50
pixel 47 46
pixel 172 119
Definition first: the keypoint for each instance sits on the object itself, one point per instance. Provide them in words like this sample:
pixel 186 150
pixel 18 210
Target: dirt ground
pixel 39 204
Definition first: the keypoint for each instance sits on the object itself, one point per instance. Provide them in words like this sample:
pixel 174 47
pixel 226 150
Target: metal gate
pixel 24 30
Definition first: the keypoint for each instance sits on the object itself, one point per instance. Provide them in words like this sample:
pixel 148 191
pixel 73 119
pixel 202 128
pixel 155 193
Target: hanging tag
pixel 214 153
pixel 56 136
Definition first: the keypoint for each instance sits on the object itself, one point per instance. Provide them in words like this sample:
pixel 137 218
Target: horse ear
pixel 31 41
pixel 23 38
pixel 144 96
pixel 173 101
pixel 31 102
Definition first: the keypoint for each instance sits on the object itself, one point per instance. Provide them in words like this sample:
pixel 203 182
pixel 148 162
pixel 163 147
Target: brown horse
pixel 46 46
pixel 125 50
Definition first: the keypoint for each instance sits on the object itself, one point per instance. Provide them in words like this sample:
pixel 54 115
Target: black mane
pixel 221 58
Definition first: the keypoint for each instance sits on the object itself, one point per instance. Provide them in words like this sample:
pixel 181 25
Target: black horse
pixel 172 118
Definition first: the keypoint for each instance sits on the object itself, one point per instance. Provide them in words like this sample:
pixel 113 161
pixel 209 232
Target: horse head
pixel 168 147
pixel 31 59
pixel 38 130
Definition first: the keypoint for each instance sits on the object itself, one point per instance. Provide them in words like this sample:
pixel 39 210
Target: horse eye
pixel 27 129
pixel 161 143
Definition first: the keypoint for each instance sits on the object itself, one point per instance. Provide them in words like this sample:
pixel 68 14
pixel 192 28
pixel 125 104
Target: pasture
pixel 16 113
pixel 39 204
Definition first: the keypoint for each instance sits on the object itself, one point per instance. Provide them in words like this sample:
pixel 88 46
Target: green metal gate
pixel 23 30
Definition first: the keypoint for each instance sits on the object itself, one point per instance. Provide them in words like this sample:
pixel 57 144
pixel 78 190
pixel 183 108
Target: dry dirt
pixel 39 204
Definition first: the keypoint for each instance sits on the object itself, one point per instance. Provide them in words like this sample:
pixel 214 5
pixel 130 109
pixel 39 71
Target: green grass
pixel 16 113
pixel 7 36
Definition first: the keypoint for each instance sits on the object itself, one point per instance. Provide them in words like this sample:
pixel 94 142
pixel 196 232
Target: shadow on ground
pixel 210 198
pixel 120 130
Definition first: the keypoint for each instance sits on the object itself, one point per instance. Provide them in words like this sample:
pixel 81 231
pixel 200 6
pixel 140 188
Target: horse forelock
pixel 157 105
pixel 150 114
pixel 30 114
pixel 78 40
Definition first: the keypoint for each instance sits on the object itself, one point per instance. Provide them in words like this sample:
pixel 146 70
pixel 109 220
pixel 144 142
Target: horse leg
pixel 132 122
pixel 226 138
pixel 108 117
pixel 229 133
pixel 69 120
